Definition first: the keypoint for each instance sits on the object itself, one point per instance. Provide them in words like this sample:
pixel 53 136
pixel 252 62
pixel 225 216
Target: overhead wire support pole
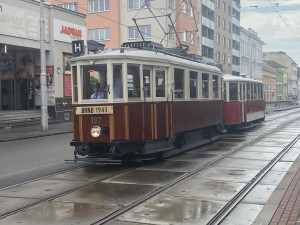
pixel 43 76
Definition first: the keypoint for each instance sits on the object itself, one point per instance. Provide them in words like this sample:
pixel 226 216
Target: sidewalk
pixel 11 134
pixel 283 207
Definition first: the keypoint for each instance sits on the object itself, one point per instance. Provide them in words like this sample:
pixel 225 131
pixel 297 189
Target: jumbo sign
pixel 71 31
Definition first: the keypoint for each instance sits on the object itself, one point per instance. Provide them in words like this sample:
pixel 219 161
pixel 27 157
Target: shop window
pixel 216 86
pixel 67 75
pixel 160 83
pixel 205 85
pixel 133 81
pixel 193 84
pixel 94 84
pixel 233 91
pixel 179 83
pixel 117 81
pixel 147 82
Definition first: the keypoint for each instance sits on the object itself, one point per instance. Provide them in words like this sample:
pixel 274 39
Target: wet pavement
pixel 194 200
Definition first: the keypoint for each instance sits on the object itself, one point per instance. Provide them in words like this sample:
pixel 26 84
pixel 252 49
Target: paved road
pixel 28 159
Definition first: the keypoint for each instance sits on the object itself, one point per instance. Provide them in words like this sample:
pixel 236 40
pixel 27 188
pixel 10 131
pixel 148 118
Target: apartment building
pixel 223 35
pixel 290 70
pixel 207 27
pixel 251 54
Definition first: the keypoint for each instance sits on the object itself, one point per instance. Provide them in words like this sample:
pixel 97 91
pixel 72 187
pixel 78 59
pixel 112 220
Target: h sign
pixel 77 48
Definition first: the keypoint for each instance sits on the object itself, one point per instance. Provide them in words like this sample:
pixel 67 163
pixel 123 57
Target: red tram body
pixel 150 102
pixel 244 102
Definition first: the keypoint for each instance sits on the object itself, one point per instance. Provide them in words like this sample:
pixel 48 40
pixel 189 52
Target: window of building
pixel 160 83
pixel 218 57
pixel 229 10
pixel 98 6
pixel 147 82
pixel 207 32
pixel 236 14
pixel 117 81
pixel 192 38
pixel 133 81
pixel 184 7
pixel 229 43
pixel 207 52
pixel 179 83
pixel 216 86
pixel 229 26
pixel 224 24
pixel 99 34
pixel 170 32
pixel 94 85
pixel 184 35
pixel 70 6
pixel 193 84
pixel 205 85
pixel 171 4
pixel 224 6
pixel 223 58
pixel 235 29
pixel 218 20
pixel 218 3
pixel 224 41
pixel 137 4
pixel 192 12
pixel 218 38
pixel 229 59
pixel 236 45
pixel 135 34
pixel 208 13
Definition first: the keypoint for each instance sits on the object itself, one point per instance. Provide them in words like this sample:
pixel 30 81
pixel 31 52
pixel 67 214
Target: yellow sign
pixel 94 110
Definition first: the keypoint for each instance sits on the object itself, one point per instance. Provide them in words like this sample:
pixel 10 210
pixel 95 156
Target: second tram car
pixel 132 101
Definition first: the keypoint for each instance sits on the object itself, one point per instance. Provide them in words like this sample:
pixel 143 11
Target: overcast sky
pixel 277 23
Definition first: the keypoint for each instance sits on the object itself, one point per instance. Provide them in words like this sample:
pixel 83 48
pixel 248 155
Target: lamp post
pixel 43 76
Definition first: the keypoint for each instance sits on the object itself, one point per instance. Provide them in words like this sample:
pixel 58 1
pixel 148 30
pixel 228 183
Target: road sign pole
pixel 43 76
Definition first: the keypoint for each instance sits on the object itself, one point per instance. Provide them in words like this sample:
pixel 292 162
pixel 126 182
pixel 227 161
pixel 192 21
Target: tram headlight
pixel 96 131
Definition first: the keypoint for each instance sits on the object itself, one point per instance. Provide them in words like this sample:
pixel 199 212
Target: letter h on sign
pixel 77 48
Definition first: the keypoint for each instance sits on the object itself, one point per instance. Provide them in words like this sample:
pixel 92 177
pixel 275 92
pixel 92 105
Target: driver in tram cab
pixel 97 93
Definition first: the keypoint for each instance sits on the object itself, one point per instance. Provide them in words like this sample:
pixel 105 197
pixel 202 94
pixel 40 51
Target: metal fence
pixel 271 106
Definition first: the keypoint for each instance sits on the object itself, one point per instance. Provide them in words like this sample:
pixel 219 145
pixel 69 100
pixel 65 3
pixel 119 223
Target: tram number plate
pixel 94 110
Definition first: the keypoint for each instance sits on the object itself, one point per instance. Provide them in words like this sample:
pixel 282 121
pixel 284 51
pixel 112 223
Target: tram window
pixel 117 79
pixel 193 84
pixel 94 82
pixel 160 83
pixel 216 86
pixel 248 92
pixel 205 85
pixel 241 92
pixel 233 91
pixel 147 82
pixel 75 87
pixel 179 83
pixel 255 91
pixel 133 80
pixel 245 92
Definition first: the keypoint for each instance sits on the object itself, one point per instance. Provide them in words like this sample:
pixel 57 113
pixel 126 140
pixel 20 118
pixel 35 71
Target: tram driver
pixel 98 94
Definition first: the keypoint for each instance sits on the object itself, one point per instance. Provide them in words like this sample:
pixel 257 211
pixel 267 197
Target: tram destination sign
pixel 94 110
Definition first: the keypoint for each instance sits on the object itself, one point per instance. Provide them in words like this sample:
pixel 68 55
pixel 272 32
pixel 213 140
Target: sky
pixel 277 23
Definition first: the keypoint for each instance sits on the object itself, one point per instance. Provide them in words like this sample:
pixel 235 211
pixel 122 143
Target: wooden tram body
pixel 164 102
pixel 243 101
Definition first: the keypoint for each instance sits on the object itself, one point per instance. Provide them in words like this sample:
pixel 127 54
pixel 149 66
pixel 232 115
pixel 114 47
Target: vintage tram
pixel 139 100
pixel 150 102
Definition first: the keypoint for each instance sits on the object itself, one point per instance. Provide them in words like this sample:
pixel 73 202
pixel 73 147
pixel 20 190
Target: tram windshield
pixel 94 85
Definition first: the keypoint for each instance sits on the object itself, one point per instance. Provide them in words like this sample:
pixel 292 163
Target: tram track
pixel 222 214
pixel 150 194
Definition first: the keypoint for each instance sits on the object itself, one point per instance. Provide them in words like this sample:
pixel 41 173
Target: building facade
pixel 251 54
pixel 290 71
pixel 20 61
pixel 269 78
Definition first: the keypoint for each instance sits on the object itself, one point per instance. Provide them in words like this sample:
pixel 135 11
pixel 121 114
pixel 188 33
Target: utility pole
pixel 43 76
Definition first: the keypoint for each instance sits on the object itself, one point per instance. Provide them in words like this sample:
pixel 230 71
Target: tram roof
pixel 229 78
pixel 145 55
